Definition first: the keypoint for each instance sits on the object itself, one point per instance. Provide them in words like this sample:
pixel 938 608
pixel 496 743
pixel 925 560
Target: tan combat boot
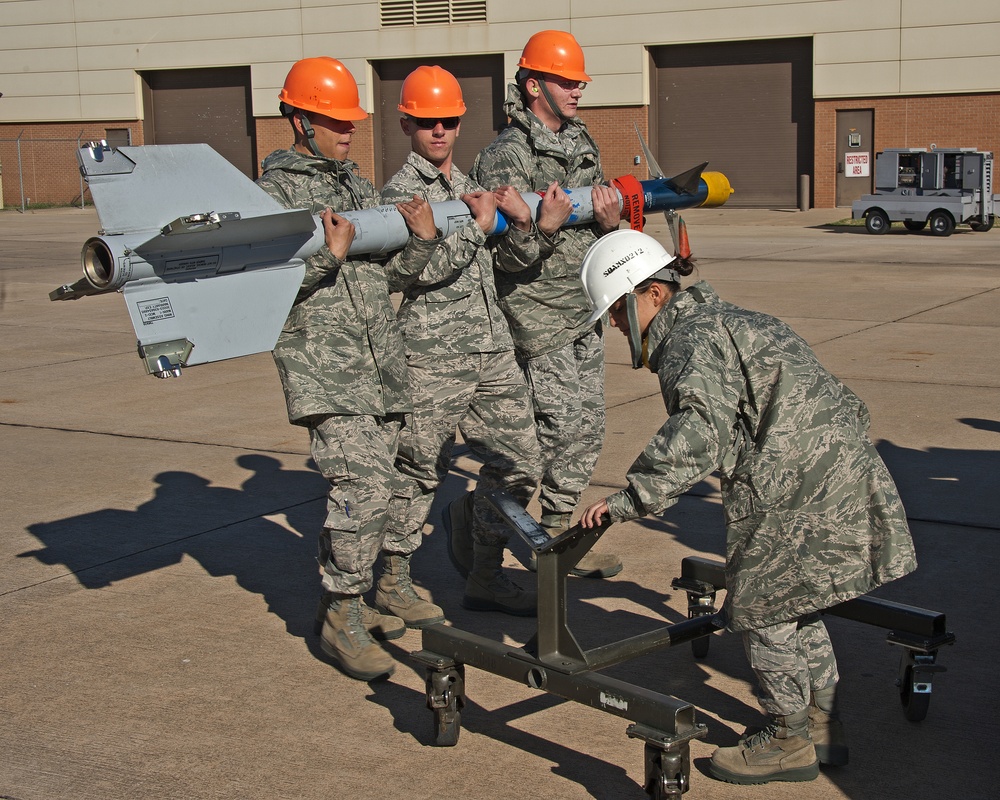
pixel 780 752
pixel 488 589
pixel 825 728
pixel 380 626
pixel 395 594
pixel 457 519
pixel 592 565
pixel 345 639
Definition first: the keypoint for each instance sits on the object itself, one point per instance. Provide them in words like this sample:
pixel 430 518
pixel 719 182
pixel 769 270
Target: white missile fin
pixel 223 317
pixel 164 182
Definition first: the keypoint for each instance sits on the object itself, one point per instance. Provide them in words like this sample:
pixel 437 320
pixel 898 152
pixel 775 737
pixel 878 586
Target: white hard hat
pixel 616 263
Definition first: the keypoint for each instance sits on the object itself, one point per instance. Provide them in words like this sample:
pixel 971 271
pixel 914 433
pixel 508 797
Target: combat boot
pixel 825 728
pixel 395 594
pixel 592 565
pixel 488 589
pixel 380 626
pixel 780 752
pixel 345 639
pixel 457 520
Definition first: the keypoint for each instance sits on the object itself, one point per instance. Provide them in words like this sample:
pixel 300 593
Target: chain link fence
pixel 39 172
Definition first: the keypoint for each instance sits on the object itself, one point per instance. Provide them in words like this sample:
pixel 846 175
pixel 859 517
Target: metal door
pixel 744 107
pixel 210 106
pixel 855 154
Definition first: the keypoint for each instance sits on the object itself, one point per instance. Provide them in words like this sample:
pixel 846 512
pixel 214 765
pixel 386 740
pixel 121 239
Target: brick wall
pixel 966 120
pixel 275 133
pixel 49 172
pixel 613 130
pixel 45 169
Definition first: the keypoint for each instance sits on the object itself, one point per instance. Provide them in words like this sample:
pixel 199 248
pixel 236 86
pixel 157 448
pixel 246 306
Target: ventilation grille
pixel 402 13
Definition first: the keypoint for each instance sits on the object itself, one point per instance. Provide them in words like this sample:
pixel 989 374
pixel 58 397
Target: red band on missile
pixel 631 191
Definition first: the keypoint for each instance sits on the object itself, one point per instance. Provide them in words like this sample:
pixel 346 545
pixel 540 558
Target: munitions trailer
pixel 553 661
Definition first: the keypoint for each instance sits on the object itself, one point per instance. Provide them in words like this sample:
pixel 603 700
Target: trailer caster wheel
pixel 666 777
pixel 701 604
pixel 877 221
pixel 915 697
pixel 916 671
pixel 447 726
pixel 446 697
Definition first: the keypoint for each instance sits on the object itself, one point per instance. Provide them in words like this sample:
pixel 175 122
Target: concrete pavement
pixel 157 573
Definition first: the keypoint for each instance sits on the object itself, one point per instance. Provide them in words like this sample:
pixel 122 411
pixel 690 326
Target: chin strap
pixel 636 342
pixel 552 103
pixel 307 128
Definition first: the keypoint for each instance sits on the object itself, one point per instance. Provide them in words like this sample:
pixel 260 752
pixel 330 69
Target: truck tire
pixel 877 221
pixel 982 227
pixel 942 223
pixel 914 224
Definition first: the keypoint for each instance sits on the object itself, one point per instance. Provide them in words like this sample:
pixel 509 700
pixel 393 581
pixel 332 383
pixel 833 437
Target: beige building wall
pixel 64 61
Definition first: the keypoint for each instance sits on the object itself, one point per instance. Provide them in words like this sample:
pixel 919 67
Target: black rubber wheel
pixel 941 222
pixel 699 647
pixel 915 704
pixel 877 221
pixel 982 227
pixel 914 224
pixel 447 727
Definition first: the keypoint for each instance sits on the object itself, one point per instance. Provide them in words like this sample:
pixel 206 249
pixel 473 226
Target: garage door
pixel 189 106
pixel 745 107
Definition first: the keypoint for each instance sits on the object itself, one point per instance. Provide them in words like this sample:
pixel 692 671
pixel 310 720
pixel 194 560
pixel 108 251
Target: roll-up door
pixel 212 105
pixel 745 107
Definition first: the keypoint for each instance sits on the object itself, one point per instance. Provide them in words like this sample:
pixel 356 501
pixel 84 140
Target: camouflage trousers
pixel 356 454
pixel 567 394
pixel 485 397
pixel 791 660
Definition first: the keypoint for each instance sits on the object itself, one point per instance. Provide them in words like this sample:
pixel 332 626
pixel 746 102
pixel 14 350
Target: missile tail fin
pixel 687 182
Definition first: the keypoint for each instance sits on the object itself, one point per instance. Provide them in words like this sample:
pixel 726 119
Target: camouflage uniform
pixel 813 517
pixel 461 365
pixel 562 355
pixel 342 367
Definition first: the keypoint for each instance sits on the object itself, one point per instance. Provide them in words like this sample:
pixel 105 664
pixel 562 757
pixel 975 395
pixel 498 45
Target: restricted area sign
pixel 856 165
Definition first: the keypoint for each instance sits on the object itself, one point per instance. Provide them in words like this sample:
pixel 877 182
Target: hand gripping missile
pixel 205 285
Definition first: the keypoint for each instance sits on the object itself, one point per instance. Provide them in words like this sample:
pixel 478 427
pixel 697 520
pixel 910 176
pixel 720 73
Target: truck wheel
pixel 914 224
pixel 877 221
pixel 942 223
pixel 982 227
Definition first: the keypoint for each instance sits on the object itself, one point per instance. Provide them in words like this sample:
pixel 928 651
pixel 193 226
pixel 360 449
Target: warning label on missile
pixel 153 311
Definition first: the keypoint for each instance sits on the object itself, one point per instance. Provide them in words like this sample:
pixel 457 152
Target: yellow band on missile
pixel 718 189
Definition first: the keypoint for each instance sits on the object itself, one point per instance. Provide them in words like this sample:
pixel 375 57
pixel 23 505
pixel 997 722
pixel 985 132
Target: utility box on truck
pixel 944 187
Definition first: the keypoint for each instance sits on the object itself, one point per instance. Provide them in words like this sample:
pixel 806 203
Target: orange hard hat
pixel 431 92
pixel 323 85
pixel 555 53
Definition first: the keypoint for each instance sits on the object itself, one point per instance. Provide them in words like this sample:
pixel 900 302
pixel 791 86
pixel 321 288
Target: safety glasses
pixel 448 123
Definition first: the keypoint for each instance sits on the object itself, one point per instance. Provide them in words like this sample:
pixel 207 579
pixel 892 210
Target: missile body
pixel 166 246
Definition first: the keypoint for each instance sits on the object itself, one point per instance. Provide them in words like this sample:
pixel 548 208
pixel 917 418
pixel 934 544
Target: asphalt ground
pixel 158 580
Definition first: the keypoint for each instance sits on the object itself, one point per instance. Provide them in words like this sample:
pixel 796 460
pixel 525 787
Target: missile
pixel 204 285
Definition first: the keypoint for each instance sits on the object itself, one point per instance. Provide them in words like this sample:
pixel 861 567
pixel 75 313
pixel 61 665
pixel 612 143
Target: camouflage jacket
pixel 545 304
pixel 813 517
pixel 451 307
pixel 340 351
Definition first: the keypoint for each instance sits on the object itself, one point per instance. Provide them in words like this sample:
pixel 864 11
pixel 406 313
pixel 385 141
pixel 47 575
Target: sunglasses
pixel 567 85
pixel 448 123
